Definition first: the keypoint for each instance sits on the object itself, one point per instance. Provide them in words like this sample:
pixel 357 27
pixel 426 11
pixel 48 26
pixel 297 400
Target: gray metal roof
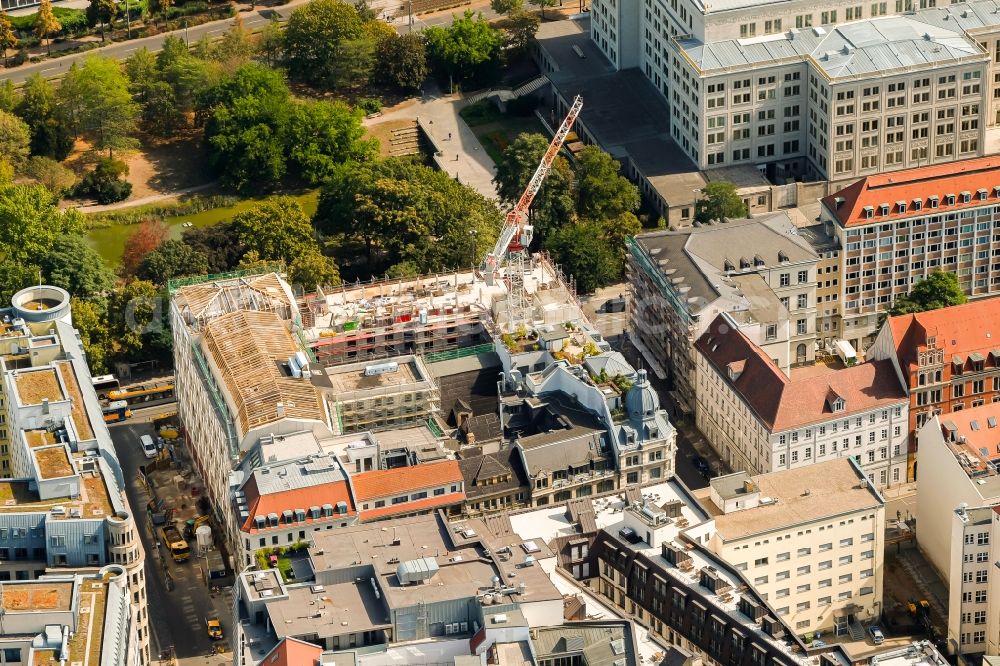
pixel 864 47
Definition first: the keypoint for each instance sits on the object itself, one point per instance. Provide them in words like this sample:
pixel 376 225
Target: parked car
pixel 877 636
pixel 148 446
pixel 214 628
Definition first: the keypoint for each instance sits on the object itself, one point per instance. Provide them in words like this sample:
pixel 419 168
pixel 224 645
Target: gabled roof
pixel 960 330
pixel 782 404
pixel 382 483
pixel 293 652
pixel 921 183
pixel 331 492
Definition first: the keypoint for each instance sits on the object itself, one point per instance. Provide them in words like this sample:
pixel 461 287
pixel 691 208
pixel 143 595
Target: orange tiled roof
pixel 783 404
pixel 293 652
pixel 297 498
pixel 959 329
pixel 981 173
pixel 385 482
pixel 434 502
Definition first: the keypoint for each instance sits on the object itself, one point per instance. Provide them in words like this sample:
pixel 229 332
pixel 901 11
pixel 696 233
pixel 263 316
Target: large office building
pixel 761 420
pixel 809 539
pixel 957 538
pixel 62 505
pixel 896 229
pixel 759 271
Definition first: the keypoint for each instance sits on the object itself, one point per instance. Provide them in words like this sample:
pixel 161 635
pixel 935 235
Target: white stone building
pixel 809 539
pixel 761 420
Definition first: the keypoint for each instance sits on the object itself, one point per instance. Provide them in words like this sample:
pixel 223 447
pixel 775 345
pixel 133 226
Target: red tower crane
pixel 510 241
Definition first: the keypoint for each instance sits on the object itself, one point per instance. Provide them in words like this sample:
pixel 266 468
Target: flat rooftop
pixel 94 500
pixel 331 610
pixel 32 596
pixel 36 385
pixel 53 462
pixel 973 437
pixel 78 410
pixel 801 495
pixel 601 643
pixel 351 378
pixel 919 653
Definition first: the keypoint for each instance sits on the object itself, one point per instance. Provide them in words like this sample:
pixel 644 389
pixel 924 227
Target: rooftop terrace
pixel 37 385
pixel 53 462
pixel 36 596
pixel 94 500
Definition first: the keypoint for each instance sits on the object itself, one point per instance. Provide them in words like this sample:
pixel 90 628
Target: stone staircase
pixel 405 141
pixel 856 631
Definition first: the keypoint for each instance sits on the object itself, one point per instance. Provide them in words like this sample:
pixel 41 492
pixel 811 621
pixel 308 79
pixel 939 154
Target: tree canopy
pixel 99 104
pixel 583 252
pixel 171 259
pixel 401 60
pixel 327 44
pixel 73 265
pixel 467 50
pixel 404 213
pixel 601 192
pixel 718 201
pixel 937 290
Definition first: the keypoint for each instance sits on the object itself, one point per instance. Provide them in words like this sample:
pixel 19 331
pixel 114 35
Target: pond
pixel 110 241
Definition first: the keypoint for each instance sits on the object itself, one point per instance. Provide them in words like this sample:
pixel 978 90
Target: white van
pixel 148 446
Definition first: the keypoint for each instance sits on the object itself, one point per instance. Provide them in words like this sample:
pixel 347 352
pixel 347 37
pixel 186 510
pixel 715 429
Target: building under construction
pixel 426 316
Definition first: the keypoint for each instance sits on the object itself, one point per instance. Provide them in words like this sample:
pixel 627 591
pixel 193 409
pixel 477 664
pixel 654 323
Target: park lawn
pixel 110 241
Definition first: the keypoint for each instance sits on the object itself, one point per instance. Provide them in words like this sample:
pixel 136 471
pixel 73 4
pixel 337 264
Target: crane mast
pixel 508 241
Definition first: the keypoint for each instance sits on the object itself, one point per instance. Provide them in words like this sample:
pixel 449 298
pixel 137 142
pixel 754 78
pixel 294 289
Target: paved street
pixel 252 20
pixel 177 617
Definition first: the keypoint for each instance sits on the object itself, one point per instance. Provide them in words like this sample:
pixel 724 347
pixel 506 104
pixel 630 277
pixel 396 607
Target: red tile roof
pixel 405 508
pixel 919 183
pixel 293 652
pixel 297 498
pixel 783 404
pixel 378 484
pixel 959 329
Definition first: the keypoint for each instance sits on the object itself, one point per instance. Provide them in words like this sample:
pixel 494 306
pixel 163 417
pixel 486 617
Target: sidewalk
pixel 457 150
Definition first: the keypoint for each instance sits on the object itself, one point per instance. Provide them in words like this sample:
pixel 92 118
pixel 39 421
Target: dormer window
pixel 983 194
pixel 884 209
pixel 933 200
pixel 918 204
pixel 758 260
pixel 949 199
pixel 966 197
pixel 869 212
pixel 782 256
pixel 728 266
pixel 900 206
pixel 838 405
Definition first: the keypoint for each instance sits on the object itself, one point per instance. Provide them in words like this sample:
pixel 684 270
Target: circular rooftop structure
pixel 641 401
pixel 41 303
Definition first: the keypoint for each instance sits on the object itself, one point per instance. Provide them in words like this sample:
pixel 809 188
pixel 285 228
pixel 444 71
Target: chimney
pixel 748 486
pixel 45 405
pixel 280 409
pixel 838 202
pixel 470 438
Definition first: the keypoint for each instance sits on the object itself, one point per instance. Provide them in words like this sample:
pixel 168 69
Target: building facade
pixel 809 539
pixel 896 229
pixel 758 270
pixel 760 420
pixel 946 358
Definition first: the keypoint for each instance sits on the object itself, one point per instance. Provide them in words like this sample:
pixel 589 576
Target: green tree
pixel 468 49
pixel 401 61
pixel 161 7
pixel 189 77
pixel 15 276
pixel 46 24
pixel 53 175
pixel 172 259
pixel 15 139
pixel 101 12
pixel 90 322
pixel 161 115
pixel 30 222
pixel 321 135
pixel 582 252
pixel 311 269
pixel 520 28
pixel 142 71
pixel 99 104
pixel 937 290
pixel 615 230
pixel 601 192
pixel 8 40
pixel 718 201
pixel 218 243
pixel 542 4
pixel 319 37
pixel 73 265
pixel 271 42
pixel 51 135
pixel 507 6
pixel 398 212
pixel 247 120
pixel 135 314
pixel 276 230
pixel 236 48
pixel 8 95
pixel 554 204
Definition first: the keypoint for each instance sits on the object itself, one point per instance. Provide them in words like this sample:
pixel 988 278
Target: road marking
pixel 51 69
